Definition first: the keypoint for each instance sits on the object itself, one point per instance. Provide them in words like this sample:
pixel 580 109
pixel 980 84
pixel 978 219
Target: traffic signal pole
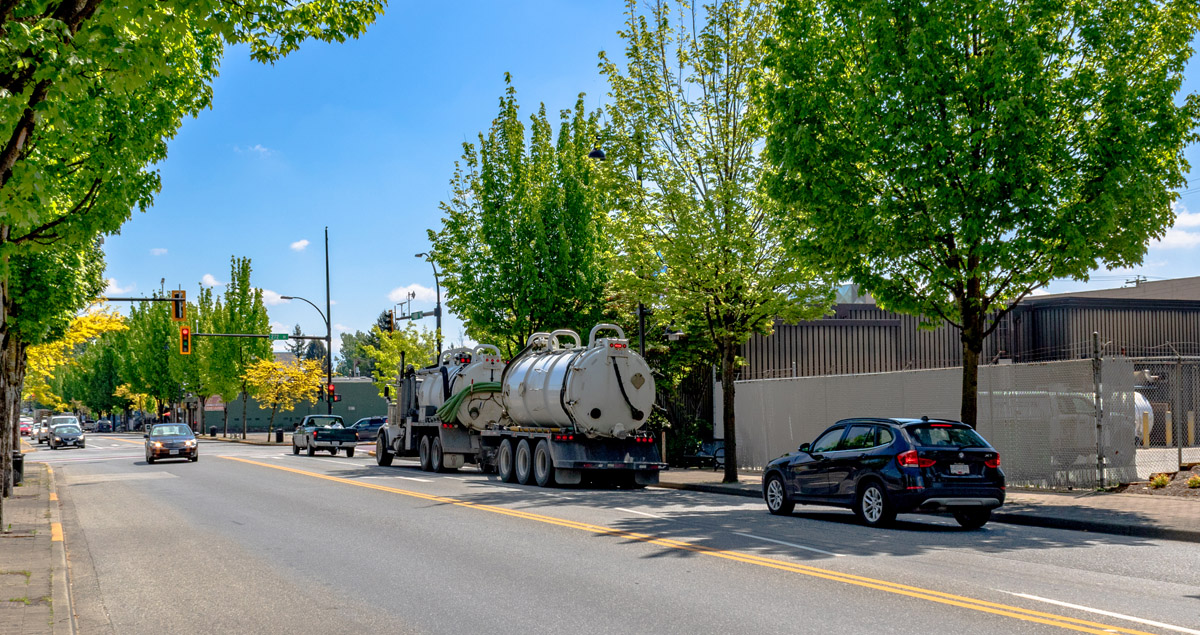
pixel 328 325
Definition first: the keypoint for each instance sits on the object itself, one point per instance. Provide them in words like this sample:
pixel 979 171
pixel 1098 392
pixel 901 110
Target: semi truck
pixel 557 412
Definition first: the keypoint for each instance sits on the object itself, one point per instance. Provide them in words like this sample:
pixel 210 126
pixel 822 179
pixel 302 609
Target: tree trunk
pixel 972 348
pixel 225 433
pixel 203 403
pixel 245 399
pixel 728 359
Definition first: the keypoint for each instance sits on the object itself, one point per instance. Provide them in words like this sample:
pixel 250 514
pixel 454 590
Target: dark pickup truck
pixel 323 432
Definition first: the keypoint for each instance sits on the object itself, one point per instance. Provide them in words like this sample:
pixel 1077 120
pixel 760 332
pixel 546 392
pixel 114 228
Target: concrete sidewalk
pixel 34 589
pixel 1169 518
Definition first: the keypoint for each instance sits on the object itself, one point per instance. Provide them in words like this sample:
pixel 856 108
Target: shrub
pixel 1160 481
pixel 1194 482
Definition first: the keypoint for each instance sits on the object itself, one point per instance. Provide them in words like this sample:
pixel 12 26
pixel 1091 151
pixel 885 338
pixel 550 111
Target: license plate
pixel 959 469
pixel 174 451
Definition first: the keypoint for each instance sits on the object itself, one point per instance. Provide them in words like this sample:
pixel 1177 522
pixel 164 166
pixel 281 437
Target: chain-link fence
pixel 1081 423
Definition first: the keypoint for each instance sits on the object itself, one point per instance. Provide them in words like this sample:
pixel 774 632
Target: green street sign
pixel 278 336
pixel 416 315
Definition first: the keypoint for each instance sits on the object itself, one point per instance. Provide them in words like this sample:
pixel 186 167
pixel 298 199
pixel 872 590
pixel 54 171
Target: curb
pixel 1048 522
pixel 60 581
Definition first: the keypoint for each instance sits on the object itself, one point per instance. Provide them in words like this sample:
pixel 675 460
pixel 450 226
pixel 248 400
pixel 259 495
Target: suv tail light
pixel 993 462
pixel 910 459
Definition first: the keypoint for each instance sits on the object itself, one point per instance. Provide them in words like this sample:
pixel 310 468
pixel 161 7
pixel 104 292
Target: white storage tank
pixel 457 369
pixel 603 389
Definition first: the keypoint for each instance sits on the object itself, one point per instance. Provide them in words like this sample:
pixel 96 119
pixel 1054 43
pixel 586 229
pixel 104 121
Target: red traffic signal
pixel 330 388
pixel 185 341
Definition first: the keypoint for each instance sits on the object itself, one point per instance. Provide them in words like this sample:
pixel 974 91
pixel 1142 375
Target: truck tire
pixel 308 449
pixel 543 465
pixel 423 453
pixel 295 448
pixel 436 458
pixel 504 462
pixel 333 451
pixel 523 463
pixel 349 453
pixel 383 457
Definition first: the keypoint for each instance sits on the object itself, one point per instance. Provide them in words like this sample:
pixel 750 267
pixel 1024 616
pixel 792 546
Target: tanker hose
pixel 633 412
pixel 448 411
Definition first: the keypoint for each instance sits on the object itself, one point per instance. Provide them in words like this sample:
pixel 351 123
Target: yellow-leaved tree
pixel 283 385
pixel 45 359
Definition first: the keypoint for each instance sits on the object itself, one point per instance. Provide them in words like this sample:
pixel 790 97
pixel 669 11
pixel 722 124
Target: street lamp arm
pixel 319 311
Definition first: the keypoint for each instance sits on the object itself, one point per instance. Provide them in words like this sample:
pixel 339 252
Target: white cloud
pixel 280 327
pixel 113 288
pixel 209 281
pixel 256 149
pixel 270 298
pixel 424 294
pixel 299 245
pixel 1183 218
pixel 1178 239
pixel 340 327
pixel 158 251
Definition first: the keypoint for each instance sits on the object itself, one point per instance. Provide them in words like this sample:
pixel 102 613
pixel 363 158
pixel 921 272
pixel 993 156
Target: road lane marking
pixel 634 511
pixel 86 459
pixel 128 441
pixel 56 532
pixel 983 606
pixel 789 544
pixel 53 496
pixel 1129 618
pixel 410 478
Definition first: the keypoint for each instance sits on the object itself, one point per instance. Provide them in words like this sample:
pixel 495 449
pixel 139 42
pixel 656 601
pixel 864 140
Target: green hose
pixel 449 410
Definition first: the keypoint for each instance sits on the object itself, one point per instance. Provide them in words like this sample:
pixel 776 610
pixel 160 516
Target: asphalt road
pixel 256 540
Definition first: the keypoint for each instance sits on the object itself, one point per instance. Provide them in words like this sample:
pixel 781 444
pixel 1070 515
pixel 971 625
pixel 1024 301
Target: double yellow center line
pixel 929 595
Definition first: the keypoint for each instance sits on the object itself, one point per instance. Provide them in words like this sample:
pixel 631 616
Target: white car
pixel 43 433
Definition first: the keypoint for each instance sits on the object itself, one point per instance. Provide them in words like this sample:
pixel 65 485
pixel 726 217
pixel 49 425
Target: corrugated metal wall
pixel 861 338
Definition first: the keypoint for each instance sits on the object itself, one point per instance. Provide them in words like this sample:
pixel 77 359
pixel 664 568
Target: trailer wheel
pixel 423 454
pixel 504 462
pixel 543 465
pixel 382 456
pixel 524 462
pixel 436 458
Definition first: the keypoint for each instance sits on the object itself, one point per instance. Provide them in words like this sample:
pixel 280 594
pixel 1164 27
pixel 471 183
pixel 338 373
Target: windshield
pixel 943 435
pixel 327 420
pixel 67 428
pixel 171 431
pixel 60 420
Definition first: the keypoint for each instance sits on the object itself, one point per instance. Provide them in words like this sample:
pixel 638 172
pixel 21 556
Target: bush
pixel 1194 482
pixel 1160 481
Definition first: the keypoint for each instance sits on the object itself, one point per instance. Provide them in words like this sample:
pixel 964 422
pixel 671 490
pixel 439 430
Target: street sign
pixel 278 337
pixel 416 315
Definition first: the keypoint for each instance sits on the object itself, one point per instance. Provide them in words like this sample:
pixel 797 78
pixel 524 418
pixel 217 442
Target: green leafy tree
pixel 154 343
pixel 91 91
pixel 240 311
pixel 521 247
pixel 952 157
pixel 417 347
pixel 683 142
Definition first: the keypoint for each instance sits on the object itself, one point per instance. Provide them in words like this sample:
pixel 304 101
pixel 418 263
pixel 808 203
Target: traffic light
pixel 391 320
pixel 330 391
pixel 185 341
pixel 179 305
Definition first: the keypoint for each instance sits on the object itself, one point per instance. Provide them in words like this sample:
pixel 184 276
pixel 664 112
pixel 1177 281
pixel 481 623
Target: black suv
pixel 883 467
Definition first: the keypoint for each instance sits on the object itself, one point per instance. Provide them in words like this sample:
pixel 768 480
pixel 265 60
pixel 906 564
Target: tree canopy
pixel 952 157
pixel 522 243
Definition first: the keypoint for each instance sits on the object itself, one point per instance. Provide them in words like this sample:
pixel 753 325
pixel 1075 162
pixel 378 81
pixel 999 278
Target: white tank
pixel 457 369
pixel 603 390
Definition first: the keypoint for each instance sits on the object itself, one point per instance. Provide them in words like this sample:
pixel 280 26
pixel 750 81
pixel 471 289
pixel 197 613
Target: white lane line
pixel 410 478
pixel 789 544
pixel 334 461
pixel 1169 627
pixel 634 511
pixel 86 459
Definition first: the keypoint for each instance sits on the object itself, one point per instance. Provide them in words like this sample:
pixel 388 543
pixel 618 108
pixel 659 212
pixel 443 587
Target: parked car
pixel 66 434
pixel 104 425
pixel 43 435
pixel 368 427
pixel 883 467
pixel 171 441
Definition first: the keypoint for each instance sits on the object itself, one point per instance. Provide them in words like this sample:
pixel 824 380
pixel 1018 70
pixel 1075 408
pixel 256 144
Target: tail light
pixel 993 462
pixel 911 459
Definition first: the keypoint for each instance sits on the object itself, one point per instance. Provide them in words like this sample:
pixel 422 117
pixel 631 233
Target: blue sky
pixel 362 137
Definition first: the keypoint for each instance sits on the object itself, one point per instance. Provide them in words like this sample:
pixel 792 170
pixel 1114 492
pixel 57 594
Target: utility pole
pixel 328 327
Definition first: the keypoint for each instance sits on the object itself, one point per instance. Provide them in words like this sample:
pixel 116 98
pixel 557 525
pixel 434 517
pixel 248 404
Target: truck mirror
pixel 387 393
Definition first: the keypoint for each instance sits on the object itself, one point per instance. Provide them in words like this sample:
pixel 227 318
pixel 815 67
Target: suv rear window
pixel 945 435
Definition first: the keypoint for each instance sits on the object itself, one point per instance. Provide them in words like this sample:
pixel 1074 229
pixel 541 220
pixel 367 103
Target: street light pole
pixel 328 328
pixel 438 310
pixel 328 353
